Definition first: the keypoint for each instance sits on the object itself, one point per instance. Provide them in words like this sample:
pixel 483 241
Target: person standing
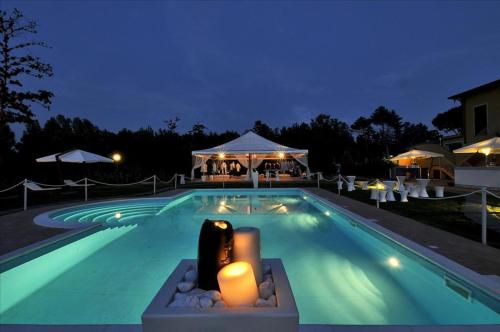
pixel 238 168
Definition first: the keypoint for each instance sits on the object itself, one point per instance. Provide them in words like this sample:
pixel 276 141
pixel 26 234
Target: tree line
pixel 360 148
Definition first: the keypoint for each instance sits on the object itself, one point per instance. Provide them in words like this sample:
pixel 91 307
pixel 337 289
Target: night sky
pixel 227 64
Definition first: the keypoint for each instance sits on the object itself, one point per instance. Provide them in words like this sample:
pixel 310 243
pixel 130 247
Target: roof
pixel 75 156
pixel 481 88
pixel 249 143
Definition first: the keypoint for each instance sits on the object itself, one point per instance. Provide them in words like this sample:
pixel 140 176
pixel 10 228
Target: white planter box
pixel 283 318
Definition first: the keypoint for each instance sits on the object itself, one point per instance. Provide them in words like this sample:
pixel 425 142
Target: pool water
pixel 340 274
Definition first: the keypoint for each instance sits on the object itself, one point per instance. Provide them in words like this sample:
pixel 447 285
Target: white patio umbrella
pixel 75 156
pixel 417 154
pixel 485 147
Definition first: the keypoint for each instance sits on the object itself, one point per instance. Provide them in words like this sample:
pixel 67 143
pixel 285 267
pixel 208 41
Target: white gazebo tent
pixel 250 150
pixel 75 156
pixel 489 146
pixel 414 155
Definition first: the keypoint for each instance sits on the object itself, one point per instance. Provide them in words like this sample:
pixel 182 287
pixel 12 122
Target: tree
pixel 17 62
pixel 172 125
pixel 450 121
pixel 389 123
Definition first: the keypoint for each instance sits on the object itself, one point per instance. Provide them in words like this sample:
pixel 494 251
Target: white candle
pixel 246 248
pixel 237 284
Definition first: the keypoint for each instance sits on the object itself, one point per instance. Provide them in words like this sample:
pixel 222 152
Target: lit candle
pixel 237 284
pixel 246 248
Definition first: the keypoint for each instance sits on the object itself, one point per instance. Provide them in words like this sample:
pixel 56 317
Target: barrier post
pixel 484 216
pixel 317 175
pixel 25 194
pixel 86 189
pixel 154 185
pixel 175 181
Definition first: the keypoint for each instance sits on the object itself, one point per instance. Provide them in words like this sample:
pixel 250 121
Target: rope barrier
pixel 120 184
pixel 492 194
pixel 166 182
pixel 447 197
pixel 14 186
pixel 48 185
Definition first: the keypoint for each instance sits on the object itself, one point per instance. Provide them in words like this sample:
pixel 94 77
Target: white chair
pixel 439 191
pixel 72 183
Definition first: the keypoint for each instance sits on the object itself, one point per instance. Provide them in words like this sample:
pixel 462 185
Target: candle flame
pixel 221 224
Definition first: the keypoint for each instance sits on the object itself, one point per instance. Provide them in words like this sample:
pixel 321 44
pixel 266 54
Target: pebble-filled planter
pixel 179 305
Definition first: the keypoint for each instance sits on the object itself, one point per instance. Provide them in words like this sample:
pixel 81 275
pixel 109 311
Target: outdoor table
pixel 374 194
pixel 439 191
pixel 413 189
pixel 401 182
pixel 382 196
pixel 422 183
pixel 388 186
pixel 350 183
pixel 404 195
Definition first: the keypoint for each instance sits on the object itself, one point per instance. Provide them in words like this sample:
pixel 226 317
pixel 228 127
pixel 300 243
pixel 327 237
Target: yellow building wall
pixel 492 99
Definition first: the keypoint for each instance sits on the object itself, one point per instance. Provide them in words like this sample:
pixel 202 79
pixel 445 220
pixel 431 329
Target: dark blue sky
pixel 227 64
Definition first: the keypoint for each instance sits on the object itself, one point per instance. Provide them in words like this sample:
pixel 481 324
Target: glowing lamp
pixel 237 284
pixel 222 155
pixel 393 262
pixel 215 250
pixel 116 157
pixel 486 151
pixel 281 155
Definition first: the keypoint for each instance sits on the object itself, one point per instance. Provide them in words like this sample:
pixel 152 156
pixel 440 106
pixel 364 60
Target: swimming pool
pixel 341 271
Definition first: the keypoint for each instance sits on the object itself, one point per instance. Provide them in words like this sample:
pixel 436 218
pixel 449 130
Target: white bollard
pixel 439 191
pixel 25 195
pixel 484 216
pixel 382 196
pixel 154 185
pixel 86 190
pixel 404 195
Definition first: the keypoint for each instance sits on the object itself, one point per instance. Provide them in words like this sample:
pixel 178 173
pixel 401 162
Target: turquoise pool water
pixel 340 273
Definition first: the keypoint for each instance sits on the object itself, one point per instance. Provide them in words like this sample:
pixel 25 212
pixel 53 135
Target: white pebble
pixel 266 289
pixel 262 303
pixel 266 269
pixel 197 291
pixel 180 296
pixel 213 295
pixel 219 304
pixel 272 300
pixel 192 301
pixel 185 286
pixel 191 276
pixel 205 302
pixel 177 304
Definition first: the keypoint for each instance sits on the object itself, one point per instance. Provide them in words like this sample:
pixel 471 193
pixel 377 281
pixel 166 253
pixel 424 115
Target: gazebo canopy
pixel 416 154
pixel 249 150
pixel 249 143
pixel 486 147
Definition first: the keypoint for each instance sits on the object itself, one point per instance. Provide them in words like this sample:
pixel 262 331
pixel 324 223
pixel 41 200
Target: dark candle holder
pixel 215 250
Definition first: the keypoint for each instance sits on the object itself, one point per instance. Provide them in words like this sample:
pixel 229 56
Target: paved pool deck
pixel 17 230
